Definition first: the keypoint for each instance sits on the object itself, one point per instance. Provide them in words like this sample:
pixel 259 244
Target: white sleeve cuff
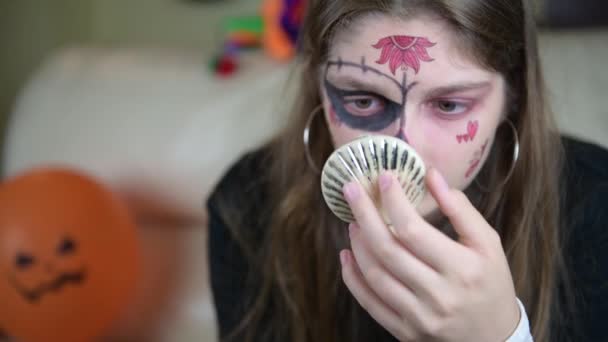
pixel 522 332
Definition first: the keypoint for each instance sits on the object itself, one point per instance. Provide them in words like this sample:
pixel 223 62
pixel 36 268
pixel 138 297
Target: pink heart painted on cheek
pixel 472 129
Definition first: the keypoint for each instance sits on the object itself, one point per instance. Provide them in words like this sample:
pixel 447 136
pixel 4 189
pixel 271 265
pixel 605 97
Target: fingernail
pixel 384 181
pixel 441 183
pixel 351 191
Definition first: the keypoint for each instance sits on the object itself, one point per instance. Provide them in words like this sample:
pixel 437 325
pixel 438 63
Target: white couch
pixel 160 129
pixel 157 127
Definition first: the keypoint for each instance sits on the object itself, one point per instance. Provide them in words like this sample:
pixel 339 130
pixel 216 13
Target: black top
pixel 584 196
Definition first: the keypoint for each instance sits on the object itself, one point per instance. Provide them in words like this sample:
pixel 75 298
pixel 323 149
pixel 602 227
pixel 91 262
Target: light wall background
pixel 30 30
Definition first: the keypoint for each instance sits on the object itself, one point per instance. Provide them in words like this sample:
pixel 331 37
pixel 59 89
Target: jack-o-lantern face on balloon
pixel 45 273
pixel 69 257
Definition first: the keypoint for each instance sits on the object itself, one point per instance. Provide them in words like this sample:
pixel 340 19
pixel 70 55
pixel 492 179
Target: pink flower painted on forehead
pixel 403 51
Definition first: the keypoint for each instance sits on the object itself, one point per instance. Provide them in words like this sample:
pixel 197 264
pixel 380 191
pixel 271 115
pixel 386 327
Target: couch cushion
pixel 157 125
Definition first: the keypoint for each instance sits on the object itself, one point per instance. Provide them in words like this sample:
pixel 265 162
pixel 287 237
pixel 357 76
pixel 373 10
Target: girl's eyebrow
pixel 353 82
pixel 361 82
pixel 365 68
pixel 456 88
pixel 382 88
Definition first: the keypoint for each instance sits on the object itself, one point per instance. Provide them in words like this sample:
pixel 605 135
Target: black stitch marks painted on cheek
pixel 474 163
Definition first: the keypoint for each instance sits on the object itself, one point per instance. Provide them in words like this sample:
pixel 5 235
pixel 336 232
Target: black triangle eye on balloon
pixel 67 246
pixel 24 261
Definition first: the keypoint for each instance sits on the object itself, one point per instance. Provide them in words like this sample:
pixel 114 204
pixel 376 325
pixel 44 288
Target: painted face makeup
pixel 354 88
pixel 411 80
pixel 477 157
pixel 362 109
pixel 404 51
pixel 472 128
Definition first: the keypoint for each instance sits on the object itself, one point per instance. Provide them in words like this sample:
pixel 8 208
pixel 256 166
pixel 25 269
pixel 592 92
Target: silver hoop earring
pixel 306 138
pixel 515 158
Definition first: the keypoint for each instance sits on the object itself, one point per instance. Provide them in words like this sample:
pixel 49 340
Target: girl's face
pixel 409 79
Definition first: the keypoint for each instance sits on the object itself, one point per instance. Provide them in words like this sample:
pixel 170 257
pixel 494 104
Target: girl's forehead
pixel 359 32
pixel 388 53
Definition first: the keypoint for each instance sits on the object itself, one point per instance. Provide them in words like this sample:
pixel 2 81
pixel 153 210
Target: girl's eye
pixel 448 107
pixel 364 105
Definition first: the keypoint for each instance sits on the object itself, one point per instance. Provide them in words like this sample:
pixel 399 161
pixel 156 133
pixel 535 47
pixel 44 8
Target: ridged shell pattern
pixel 363 160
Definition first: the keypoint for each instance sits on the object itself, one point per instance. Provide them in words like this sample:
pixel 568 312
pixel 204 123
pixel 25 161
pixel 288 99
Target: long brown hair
pixel 297 260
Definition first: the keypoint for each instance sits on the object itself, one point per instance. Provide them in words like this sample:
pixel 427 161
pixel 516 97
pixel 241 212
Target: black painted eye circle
pixel 23 261
pixel 66 246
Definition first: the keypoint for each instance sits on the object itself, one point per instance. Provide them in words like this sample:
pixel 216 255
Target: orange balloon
pixel 69 257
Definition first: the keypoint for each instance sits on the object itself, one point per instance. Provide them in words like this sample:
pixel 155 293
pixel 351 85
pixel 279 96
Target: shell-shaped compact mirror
pixel 363 160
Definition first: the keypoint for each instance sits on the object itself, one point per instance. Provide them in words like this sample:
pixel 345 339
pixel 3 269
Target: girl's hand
pixel 418 283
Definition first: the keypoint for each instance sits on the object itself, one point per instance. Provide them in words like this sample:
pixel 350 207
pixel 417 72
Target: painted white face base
pixel 408 79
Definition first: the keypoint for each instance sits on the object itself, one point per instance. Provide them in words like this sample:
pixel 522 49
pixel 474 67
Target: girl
pixel 510 231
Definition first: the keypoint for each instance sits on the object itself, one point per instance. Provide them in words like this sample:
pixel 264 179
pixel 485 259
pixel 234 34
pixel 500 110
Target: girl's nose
pixel 403 124
pixel 402 135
